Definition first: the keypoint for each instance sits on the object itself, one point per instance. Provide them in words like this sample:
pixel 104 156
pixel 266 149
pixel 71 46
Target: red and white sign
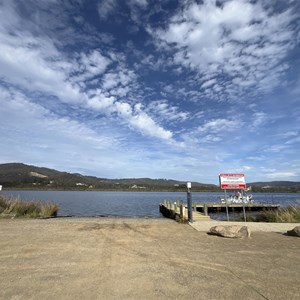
pixel 232 181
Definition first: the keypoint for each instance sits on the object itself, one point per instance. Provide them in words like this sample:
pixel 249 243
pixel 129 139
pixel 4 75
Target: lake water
pixel 131 204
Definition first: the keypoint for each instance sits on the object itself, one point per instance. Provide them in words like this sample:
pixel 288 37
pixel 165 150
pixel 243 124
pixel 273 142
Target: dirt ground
pixel 101 258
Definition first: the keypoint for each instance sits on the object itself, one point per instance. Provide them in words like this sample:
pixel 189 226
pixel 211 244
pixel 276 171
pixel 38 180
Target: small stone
pixel 294 232
pixel 230 231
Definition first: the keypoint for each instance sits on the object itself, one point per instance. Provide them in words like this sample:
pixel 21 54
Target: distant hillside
pixel 20 175
pixel 275 186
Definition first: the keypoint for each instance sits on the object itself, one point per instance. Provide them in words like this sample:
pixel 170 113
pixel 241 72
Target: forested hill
pixel 275 186
pixel 18 175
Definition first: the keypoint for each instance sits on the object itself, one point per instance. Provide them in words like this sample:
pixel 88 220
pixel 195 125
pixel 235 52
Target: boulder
pixel 230 231
pixel 294 232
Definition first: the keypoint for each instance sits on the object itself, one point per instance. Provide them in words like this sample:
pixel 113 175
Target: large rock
pixel 230 231
pixel 294 232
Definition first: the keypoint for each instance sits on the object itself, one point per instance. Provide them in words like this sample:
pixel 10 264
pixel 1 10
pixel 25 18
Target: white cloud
pixel 290 134
pixel 142 121
pixel 93 63
pixel 110 81
pixel 276 148
pixel 242 41
pixel 136 6
pixel 106 8
pixel 19 115
pixel 147 125
pixel 257 158
pixel 219 125
pixel 115 78
pixel 35 64
pixel 32 134
pixel 164 111
pixel 208 83
pixel 246 168
pixel 133 116
pixel 281 175
pixel 259 118
pixel 98 101
pixel 141 3
pixel 124 109
pixel 293 140
pixel 210 138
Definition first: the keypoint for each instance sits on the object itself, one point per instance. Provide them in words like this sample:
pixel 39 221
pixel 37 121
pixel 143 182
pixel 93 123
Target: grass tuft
pixel 16 208
pixel 49 210
pixel 288 214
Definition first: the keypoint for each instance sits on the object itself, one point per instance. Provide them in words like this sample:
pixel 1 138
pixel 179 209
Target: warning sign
pixel 232 181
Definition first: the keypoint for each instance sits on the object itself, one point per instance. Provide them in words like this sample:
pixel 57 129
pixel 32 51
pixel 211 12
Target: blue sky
pixel 161 89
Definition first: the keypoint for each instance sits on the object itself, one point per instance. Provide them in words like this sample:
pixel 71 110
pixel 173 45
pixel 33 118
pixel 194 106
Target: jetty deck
pixel 178 211
pixel 233 207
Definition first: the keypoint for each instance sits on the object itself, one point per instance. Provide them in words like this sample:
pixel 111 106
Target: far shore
pixel 150 190
pixel 111 190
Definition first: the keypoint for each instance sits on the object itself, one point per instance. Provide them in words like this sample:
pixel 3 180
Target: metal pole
pixel 227 214
pixel 245 219
pixel 190 206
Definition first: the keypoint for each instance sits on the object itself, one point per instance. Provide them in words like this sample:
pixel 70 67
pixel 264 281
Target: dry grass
pixel 288 214
pixel 14 207
pixel 49 210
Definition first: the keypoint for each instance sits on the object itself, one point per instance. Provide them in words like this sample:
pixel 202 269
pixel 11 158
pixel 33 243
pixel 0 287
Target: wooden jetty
pixel 233 207
pixel 178 211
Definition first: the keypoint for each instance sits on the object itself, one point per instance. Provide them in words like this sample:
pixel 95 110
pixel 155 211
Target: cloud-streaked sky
pixel 145 88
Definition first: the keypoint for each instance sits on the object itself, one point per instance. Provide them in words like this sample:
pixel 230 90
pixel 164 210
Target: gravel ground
pixel 101 258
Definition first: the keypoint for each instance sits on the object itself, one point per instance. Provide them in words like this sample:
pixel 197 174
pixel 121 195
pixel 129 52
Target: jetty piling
pixel 179 211
pixel 213 207
pixel 205 209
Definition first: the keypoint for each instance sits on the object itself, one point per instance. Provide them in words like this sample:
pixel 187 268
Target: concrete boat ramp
pixel 202 221
pixel 205 225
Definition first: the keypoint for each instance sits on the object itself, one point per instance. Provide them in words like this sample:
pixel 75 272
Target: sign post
pixel 189 202
pixel 226 203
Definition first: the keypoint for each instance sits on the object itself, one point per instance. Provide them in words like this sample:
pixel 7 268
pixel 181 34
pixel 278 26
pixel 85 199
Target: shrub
pixel 14 207
pixel 288 214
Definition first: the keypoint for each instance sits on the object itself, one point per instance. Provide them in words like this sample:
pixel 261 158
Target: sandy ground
pixel 100 258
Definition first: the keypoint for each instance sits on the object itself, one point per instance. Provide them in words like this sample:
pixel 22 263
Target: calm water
pixel 130 204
